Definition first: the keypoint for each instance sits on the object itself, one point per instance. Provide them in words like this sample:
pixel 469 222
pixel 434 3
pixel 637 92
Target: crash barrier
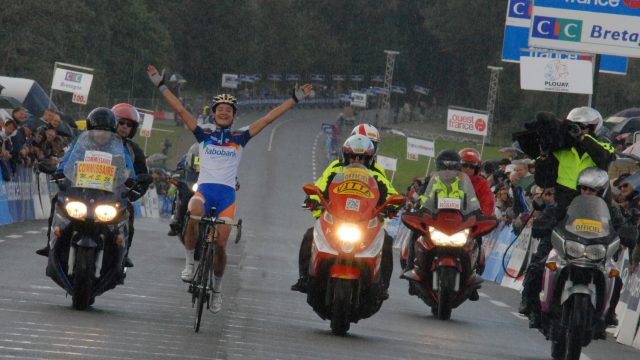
pixel 27 196
pixel 24 197
pixel 317 102
pixel 508 255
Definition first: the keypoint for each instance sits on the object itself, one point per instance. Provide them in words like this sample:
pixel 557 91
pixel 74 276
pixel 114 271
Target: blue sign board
pixel 516 35
pixel 357 77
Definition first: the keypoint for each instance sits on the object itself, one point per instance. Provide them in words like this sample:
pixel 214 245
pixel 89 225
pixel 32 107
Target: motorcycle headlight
pixel 441 239
pixel 574 249
pixel 348 235
pixel 194 188
pixel 595 252
pixel 76 209
pixel 105 212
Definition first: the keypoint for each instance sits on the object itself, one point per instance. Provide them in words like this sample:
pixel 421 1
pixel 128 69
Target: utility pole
pixel 385 104
pixel 491 98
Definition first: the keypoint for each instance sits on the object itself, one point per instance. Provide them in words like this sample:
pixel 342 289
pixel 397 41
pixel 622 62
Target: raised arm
pixel 298 94
pixel 157 79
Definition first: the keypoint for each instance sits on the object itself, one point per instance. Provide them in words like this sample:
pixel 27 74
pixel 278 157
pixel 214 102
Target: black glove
pixel 311 204
pixel 390 211
pixel 57 176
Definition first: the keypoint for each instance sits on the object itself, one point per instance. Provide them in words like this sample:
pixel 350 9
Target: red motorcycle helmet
pixel 470 157
pixel 128 113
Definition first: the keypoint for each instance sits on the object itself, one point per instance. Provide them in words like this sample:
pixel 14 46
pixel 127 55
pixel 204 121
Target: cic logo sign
pixel 556 28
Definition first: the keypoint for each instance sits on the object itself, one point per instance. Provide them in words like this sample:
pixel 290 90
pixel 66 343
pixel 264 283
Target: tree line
pixel 445 46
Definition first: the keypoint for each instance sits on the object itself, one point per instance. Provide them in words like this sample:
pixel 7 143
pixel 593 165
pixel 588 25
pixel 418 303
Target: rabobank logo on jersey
pixel 556 28
pixel 209 150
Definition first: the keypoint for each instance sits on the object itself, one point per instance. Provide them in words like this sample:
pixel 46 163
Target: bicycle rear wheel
pixel 203 287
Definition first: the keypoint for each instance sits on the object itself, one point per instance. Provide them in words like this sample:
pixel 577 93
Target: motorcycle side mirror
pixel 483 227
pixel 311 189
pixel 396 200
pixel 392 200
pixel 416 221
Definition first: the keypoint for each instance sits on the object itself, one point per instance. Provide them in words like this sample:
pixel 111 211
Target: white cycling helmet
pixel 588 117
pixel 369 131
pixel 360 146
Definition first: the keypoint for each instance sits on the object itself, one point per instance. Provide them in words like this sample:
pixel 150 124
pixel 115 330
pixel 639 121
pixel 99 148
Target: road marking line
pixel 483 295
pixel 14 236
pixel 519 316
pixel 44 228
pixel 1 241
pixel 273 131
pixel 499 303
pixel 33 232
pixel 313 155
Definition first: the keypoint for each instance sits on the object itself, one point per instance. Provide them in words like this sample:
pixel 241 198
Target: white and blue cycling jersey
pixel 220 154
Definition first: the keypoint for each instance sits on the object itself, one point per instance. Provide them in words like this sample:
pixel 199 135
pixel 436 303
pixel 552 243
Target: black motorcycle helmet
pixel 448 160
pixel 101 119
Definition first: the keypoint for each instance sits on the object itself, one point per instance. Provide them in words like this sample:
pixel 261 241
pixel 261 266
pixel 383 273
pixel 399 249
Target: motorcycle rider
pixel 128 120
pixel 322 183
pixel 189 165
pixel 98 119
pixel 447 159
pixel 470 165
pixel 560 169
pixel 220 150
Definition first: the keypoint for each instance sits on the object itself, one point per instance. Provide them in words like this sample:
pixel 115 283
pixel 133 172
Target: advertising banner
pixel 602 27
pixel 421 90
pixel 421 147
pixel 356 78
pixel 147 124
pixel 72 81
pixel 472 122
pixel 358 99
pixel 230 81
pixel 387 163
pixel 516 38
pixel 556 75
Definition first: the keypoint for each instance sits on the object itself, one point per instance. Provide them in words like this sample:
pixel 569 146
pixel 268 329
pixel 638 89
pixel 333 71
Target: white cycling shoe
pixel 216 302
pixel 187 273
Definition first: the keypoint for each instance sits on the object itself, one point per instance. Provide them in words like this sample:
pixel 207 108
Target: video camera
pixel 546 134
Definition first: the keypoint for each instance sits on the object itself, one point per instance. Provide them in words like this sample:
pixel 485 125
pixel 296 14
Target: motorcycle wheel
pixel 445 291
pixel 83 278
pixel 341 307
pixel 577 326
pixel 203 287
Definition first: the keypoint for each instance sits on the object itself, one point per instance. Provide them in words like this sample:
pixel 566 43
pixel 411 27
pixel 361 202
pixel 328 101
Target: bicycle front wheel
pixel 203 285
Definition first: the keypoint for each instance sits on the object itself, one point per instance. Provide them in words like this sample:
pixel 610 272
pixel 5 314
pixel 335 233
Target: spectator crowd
pixel 26 140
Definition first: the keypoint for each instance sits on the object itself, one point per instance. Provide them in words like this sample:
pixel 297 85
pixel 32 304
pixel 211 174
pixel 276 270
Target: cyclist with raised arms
pixel 220 153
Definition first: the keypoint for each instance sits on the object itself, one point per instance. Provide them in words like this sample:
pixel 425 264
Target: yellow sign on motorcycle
pixel 94 176
pixel 587 226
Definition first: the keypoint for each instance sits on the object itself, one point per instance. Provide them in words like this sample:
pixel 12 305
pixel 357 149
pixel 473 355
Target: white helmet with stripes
pixel 369 131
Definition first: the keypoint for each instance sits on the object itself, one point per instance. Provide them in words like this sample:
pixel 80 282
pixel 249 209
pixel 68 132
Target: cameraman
pixel 561 161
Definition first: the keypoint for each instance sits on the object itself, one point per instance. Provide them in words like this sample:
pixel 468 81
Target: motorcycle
pixel 90 221
pixel 345 283
pixel 578 279
pixel 446 252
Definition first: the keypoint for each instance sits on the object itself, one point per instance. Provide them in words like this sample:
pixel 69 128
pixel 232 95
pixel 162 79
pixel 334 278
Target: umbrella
pixel 8 102
pixel 511 151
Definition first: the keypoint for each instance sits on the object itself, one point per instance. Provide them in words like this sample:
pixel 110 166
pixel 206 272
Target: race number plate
pixel 449 203
pixel 587 226
pixel 94 176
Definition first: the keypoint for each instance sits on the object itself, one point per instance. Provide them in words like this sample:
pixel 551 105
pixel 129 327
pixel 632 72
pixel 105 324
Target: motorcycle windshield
pixel 353 194
pixel 451 190
pixel 97 161
pixel 588 217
